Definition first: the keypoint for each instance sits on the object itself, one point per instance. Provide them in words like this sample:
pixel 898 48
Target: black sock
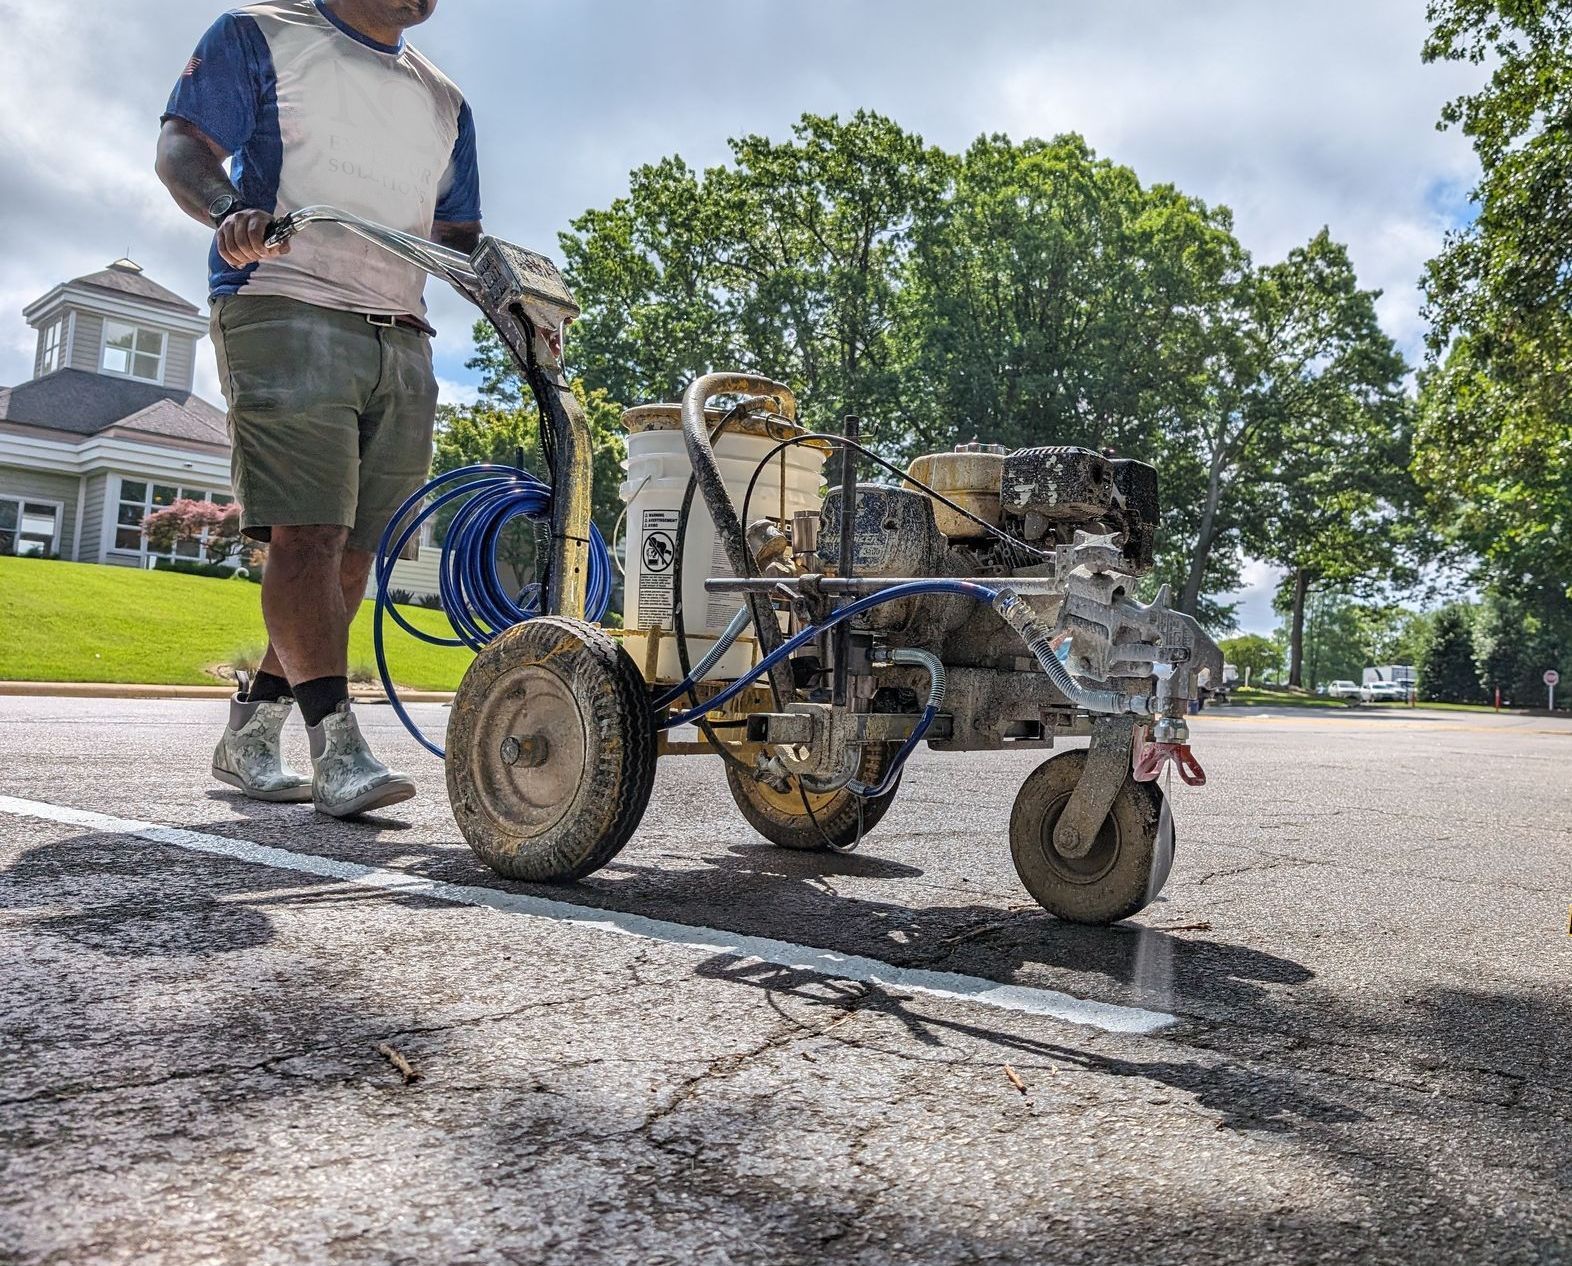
pixel 268 688
pixel 320 697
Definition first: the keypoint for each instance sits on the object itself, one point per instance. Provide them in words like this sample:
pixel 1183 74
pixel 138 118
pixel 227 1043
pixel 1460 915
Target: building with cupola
pixel 109 428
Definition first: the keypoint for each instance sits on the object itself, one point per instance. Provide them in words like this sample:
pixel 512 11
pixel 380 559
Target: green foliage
pixel 1447 673
pixel 787 262
pixel 1494 447
pixel 1337 637
pixel 1253 655
pixel 1517 635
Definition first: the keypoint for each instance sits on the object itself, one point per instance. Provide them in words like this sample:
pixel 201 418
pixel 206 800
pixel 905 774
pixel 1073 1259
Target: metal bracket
pixel 1107 767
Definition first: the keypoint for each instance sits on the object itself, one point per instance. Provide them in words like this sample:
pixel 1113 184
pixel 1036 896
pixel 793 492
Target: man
pixel 322 344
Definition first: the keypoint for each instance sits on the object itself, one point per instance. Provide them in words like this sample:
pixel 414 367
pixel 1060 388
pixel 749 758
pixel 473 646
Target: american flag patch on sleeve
pixel 191 67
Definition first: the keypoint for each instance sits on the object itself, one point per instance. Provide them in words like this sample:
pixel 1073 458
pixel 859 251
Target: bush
pixel 214 527
pixel 217 571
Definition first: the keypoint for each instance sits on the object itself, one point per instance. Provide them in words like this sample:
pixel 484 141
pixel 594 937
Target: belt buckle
pixel 386 322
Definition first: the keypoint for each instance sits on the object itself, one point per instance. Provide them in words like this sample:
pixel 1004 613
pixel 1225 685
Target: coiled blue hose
pixel 477 603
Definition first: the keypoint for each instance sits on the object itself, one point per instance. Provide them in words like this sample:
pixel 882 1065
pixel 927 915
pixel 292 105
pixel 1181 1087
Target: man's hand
pixel 242 239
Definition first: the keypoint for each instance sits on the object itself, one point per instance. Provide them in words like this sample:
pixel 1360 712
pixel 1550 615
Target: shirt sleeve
pixel 220 90
pixel 460 200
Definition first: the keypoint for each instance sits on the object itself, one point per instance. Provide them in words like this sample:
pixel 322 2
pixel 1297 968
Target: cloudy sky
pixel 1295 115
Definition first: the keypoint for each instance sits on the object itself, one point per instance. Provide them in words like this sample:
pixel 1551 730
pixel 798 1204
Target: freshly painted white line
pixel 831 963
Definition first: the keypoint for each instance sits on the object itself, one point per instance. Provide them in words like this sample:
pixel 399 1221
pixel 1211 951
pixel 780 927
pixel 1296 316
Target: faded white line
pixel 1046 1002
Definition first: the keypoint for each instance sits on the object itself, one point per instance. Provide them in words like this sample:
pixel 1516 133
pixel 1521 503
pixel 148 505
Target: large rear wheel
pixel 1127 864
pixel 806 820
pixel 551 751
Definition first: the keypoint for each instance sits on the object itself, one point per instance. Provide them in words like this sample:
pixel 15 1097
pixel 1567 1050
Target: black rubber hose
pixel 679 630
pixel 722 513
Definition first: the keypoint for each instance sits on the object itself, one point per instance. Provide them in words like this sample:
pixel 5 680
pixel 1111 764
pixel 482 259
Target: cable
pixel 842 442
pixel 478 605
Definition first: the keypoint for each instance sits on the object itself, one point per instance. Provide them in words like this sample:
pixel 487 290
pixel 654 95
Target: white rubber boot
pixel 250 756
pixel 349 779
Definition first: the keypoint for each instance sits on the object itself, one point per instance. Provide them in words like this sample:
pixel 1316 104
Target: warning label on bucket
pixel 657 557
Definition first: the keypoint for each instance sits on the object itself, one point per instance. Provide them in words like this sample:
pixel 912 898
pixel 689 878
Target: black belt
pixel 403 321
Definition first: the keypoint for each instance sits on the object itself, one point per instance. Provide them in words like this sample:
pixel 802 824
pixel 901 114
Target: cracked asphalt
pixel 1365 942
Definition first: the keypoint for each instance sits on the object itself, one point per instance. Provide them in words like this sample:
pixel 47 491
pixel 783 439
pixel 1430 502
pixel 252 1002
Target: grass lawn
pixel 77 622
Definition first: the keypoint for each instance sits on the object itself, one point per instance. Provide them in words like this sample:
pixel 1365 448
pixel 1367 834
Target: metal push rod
pixel 851 429
pixel 856 585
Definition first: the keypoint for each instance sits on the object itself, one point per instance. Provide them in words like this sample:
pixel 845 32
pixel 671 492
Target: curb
pixel 117 690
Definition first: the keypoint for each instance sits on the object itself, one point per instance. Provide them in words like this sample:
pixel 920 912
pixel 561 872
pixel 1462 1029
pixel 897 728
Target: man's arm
pixel 463 237
pixel 191 165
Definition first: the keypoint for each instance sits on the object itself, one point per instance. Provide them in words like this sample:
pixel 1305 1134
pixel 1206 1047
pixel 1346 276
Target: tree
pixel 1517 635
pixel 1495 441
pixel 1252 655
pixel 1447 672
pixel 1027 293
pixel 214 528
pixel 787 262
pixel 1333 639
pixel 1307 431
pixel 1054 299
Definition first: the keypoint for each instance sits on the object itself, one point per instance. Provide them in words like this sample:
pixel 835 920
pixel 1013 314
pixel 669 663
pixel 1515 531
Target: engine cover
pixel 1056 485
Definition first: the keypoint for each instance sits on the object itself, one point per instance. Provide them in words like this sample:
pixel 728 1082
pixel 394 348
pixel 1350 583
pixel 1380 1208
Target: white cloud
pixel 456 392
pixel 1258 586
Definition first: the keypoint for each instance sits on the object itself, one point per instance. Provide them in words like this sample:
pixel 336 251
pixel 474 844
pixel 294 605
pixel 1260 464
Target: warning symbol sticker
pixel 657 556
pixel 660 551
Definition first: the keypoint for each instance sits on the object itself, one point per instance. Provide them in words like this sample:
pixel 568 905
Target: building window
pixel 29 528
pixel 139 498
pixel 133 352
pixel 54 347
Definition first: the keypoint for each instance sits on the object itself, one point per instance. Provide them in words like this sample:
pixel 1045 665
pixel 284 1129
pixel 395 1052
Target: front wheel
pixel 1127 865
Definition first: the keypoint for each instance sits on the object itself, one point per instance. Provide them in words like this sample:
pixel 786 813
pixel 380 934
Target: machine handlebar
pixel 450 265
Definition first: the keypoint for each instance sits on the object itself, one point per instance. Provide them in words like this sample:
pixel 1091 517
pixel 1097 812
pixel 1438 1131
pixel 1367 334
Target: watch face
pixel 222 206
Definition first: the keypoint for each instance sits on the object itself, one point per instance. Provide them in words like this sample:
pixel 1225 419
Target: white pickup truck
pixel 1347 690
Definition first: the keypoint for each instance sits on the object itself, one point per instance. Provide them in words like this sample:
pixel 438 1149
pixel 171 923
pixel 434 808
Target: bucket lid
pixel 668 417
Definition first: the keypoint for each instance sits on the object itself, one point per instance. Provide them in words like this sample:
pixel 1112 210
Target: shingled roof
pixel 86 404
pixel 126 277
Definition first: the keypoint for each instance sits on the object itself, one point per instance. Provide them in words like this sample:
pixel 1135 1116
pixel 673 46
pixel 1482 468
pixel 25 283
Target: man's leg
pixel 303 606
pixel 354 571
pixel 350 779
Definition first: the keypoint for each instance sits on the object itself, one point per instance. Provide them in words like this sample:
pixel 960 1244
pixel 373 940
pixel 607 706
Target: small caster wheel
pixel 1128 863
pixel 551 751
pixel 835 823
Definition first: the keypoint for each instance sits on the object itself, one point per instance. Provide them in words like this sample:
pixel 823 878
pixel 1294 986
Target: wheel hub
pixel 1091 864
pixel 530 734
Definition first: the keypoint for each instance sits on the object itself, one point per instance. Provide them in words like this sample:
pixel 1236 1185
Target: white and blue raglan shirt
pixel 315 112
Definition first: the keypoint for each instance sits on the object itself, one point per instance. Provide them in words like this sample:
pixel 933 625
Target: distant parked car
pixel 1384 692
pixel 1347 690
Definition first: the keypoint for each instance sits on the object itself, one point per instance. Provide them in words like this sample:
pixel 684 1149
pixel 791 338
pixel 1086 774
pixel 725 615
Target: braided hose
pixel 1038 641
pixel 723 514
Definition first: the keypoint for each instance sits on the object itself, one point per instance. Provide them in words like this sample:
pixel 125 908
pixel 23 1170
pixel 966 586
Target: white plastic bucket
pixel 657 476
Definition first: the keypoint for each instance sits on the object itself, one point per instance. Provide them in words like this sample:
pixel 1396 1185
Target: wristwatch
pixel 224 206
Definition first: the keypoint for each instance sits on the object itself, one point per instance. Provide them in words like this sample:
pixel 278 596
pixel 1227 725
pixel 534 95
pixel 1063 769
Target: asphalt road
pixel 1363 950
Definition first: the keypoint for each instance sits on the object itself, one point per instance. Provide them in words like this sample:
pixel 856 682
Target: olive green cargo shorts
pixel 330 417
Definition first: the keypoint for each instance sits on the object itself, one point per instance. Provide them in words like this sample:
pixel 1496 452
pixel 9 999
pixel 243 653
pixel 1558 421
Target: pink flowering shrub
pixel 188 521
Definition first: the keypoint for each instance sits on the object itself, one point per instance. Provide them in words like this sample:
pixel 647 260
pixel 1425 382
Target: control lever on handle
pixel 280 231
